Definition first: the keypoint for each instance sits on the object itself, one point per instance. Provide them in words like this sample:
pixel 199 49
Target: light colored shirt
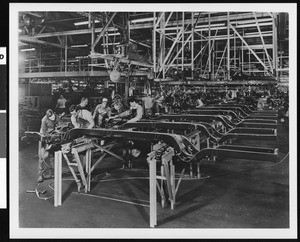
pixel 199 103
pixel 61 103
pixel 139 113
pixel 148 102
pixel 84 119
pixel 102 111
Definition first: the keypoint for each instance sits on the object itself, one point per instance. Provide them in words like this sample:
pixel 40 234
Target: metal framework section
pixel 214 46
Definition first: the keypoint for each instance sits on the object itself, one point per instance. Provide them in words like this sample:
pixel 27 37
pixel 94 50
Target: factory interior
pixel 153 120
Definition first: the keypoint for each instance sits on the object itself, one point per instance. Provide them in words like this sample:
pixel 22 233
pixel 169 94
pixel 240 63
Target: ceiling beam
pixel 203 20
pixel 36 41
pixel 63 74
pixel 122 60
pixel 69 32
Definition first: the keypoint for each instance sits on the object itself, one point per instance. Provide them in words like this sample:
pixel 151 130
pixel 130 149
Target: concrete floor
pixel 237 194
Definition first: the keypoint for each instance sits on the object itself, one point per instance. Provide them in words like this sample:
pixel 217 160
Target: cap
pixel 104 100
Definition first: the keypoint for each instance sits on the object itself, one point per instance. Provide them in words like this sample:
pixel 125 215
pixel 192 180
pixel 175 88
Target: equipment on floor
pixel 182 141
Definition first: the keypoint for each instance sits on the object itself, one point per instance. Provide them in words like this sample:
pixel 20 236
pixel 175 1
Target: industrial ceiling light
pixel 113 43
pixel 112 34
pixel 30 49
pixel 114 76
pixel 142 20
pixel 85 22
pixel 78 46
pixel 80 57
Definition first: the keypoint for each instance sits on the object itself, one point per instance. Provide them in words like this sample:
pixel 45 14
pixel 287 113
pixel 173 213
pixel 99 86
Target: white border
pixel 16 232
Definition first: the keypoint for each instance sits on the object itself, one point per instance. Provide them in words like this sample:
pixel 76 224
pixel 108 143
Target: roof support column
pixel 192 47
pixel 209 48
pixel 92 24
pixel 228 47
pixel 66 53
pixel 162 43
pixel 154 43
pixel 182 43
pixel 275 54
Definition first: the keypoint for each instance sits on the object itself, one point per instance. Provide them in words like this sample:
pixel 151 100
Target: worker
pixel 60 107
pixel 102 111
pixel 135 111
pixel 158 102
pixel 48 124
pixel 81 118
pixel 199 102
pixel 83 103
pixel 148 104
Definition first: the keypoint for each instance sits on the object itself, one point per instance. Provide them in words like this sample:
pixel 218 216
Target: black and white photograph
pixel 153 120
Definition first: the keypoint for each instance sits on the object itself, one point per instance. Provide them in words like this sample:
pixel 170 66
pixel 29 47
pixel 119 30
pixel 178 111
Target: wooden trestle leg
pixel 57 178
pixel 152 187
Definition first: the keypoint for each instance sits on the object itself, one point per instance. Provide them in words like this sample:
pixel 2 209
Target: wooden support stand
pixel 82 154
pixel 57 178
pixel 167 186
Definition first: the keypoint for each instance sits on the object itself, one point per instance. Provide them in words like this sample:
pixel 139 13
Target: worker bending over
pixel 48 124
pixel 135 111
pixel 81 118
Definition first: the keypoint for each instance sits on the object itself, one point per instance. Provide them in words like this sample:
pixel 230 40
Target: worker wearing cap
pixel 102 111
pixel 135 111
pixel 48 124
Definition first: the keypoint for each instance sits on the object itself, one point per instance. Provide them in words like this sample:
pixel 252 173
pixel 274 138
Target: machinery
pixel 174 141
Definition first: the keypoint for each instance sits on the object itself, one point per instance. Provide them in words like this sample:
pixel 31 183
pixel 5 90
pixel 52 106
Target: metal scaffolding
pixel 214 46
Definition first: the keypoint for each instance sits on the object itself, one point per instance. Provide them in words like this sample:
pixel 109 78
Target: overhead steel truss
pixel 214 47
pixel 201 45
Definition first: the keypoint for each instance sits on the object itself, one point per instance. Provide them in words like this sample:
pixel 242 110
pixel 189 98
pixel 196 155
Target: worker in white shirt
pixel 81 118
pixel 60 107
pixel 135 111
pixel 148 104
pixel 102 111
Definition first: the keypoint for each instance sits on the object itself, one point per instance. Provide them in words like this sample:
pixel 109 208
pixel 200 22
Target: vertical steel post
pixel 228 47
pixel 92 24
pixel 66 53
pixel 192 47
pixel 162 43
pixel 234 50
pixel 275 54
pixel 242 48
pixel 249 64
pixel 209 48
pixel 182 42
pixel 154 43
